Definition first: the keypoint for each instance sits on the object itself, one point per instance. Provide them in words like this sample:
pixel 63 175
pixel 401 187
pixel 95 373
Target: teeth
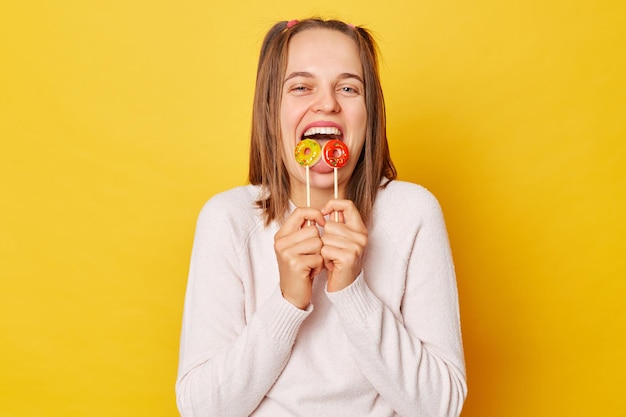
pixel 322 131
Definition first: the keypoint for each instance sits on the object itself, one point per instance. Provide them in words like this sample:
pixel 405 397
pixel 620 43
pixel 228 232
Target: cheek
pixel 283 116
pixel 359 121
pixel 357 113
pixel 285 128
pixel 288 119
pixel 363 116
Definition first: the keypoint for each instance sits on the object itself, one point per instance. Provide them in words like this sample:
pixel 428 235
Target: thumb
pixel 329 265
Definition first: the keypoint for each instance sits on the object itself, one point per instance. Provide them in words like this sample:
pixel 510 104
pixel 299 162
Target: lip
pixel 321 123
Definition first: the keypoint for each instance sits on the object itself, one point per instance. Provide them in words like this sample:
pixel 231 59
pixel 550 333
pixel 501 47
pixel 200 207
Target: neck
pixel 319 196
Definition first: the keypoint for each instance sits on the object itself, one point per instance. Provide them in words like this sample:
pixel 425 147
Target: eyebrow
pixel 305 74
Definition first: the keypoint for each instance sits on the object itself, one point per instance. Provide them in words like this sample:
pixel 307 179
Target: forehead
pixel 322 48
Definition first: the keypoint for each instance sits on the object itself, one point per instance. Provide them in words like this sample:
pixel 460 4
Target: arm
pixel 227 365
pixel 416 362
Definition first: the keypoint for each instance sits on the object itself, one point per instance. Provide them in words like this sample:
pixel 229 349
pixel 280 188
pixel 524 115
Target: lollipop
pixel 336 155
pixel 308 153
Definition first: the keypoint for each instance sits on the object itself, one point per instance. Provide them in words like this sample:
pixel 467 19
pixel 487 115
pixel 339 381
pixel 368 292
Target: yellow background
pixel 118 119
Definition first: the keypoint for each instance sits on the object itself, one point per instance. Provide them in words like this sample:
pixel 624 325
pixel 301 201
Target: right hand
pixel 298 251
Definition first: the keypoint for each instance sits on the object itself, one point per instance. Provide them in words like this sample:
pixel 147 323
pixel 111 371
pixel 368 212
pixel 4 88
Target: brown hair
pixel 266 160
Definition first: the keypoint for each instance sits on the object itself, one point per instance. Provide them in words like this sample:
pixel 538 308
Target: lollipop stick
pixel 308 187
pixel 308 191
pixel 336 194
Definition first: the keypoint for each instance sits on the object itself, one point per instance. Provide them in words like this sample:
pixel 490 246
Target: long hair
pixel 374 168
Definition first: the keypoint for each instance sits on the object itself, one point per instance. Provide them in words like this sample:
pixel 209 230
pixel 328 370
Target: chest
pixel 384 268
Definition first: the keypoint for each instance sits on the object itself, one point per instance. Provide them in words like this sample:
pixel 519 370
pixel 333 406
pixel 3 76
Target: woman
pixel 291 313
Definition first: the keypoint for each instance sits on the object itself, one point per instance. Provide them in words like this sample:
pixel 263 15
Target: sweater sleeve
pixel 415 361
pixel 227 363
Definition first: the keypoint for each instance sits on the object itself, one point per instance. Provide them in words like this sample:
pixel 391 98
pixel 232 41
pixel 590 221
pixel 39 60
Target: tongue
pixel 322 137
pixel 322 167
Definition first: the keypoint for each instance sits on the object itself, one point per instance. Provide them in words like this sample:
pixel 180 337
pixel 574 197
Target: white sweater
pixel 388 345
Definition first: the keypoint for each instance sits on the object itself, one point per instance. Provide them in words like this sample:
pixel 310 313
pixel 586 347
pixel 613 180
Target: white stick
pixel 336 194
pixel 308 191
pixel 308 187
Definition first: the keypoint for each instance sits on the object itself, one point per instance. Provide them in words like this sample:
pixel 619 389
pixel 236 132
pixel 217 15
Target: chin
pixel 322 181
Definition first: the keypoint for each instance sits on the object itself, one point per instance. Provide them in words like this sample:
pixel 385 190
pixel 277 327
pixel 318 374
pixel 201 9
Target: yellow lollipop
pixel 308 152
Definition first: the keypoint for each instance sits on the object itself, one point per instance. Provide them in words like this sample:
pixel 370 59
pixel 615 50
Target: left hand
pixel 344 243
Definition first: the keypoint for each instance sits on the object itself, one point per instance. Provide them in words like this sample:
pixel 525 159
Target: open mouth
pixel 322 134
pixel 334 157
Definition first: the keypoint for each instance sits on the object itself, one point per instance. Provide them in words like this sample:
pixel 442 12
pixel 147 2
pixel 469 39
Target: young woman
pixel 291 311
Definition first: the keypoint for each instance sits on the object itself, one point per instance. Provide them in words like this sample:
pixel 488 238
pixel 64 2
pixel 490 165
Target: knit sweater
pixel 387 345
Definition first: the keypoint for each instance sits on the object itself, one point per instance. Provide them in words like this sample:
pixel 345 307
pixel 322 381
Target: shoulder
pixel 404 208
pixel 234 210
pixel 403 212
pixel 239 199
pixel 401 197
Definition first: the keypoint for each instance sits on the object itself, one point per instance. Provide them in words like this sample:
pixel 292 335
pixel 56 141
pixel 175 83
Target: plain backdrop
pixel 119 119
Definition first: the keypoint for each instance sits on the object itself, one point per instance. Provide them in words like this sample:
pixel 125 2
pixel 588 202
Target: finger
pixel 342 251
pixel 342 237
pixel 349 213
pixel 296 285
pixel 337 216
pixel 316 265
pixel 302 242
pixel 298 218
pixel 311 264
pixel 343 266
pixel 341 234
pixel 307 246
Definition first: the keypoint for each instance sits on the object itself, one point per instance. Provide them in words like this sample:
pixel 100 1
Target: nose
pixel 326 102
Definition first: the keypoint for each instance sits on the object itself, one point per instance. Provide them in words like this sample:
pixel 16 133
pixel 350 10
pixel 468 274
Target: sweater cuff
pixel 281 318
pixel 356 302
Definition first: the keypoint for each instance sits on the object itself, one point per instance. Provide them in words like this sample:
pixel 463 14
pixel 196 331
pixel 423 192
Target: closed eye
pixel 299 89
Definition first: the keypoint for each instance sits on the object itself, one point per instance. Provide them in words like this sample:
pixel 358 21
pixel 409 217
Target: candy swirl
pixel 335 153
pixel 308 152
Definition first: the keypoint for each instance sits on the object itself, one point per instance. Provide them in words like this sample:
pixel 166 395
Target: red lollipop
pixel 335 153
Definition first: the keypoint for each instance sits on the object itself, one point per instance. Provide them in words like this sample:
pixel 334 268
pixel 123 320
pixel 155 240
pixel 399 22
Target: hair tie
pixel 292 23
pixel 351 25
